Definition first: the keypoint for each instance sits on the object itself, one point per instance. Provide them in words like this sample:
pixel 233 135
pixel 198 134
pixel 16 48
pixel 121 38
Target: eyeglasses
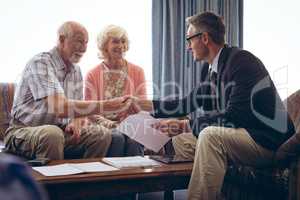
pixel 188 39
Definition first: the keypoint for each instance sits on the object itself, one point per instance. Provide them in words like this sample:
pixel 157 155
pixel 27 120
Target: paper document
pixel 73 168
pixel 138 127
pixel 131 161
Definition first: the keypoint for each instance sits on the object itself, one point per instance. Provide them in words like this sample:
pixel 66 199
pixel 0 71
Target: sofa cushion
pixel 6 100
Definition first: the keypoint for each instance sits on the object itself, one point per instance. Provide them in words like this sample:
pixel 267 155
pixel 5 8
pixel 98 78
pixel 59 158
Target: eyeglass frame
pixel 188 39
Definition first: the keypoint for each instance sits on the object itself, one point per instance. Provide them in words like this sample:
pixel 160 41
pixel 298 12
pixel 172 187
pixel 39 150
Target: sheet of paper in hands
pixel 138 127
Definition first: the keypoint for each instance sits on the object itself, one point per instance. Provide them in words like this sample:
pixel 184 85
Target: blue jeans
pixel 122 145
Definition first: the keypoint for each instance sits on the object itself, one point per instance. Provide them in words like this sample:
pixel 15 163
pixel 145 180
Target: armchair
pixel 278 182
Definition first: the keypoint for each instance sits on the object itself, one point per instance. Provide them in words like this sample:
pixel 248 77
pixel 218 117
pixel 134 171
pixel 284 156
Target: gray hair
pixel 210 23
pixel 67 29
pixel 110 31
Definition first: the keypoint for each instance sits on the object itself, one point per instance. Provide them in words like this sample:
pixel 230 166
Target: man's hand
pixel 116 105
pixel 130 105
pixel 117 109
pixel 138 105
pixel 130 108
pixel 133 108
pixel 74 128
pixel 173 127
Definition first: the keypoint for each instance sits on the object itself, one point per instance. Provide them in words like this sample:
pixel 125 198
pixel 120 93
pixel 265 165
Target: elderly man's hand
pixel 140 104
pixel 116 105
pixel 132 105
pixel 74 128
pixel 129 109
pixel 172 127
pixel 135 105
pixel 122 108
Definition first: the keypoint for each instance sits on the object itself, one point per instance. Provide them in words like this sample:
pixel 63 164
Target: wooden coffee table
pixel 111 184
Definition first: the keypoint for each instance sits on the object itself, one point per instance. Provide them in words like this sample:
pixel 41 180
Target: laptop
pixel 169 159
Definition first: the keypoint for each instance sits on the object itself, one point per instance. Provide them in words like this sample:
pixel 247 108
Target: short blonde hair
pixel 110 31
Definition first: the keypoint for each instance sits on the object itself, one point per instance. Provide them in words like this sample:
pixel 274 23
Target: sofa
pixel 6 99
pixel 280 181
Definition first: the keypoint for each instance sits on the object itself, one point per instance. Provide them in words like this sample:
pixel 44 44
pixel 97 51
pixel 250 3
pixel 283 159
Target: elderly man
pixel 48 113
pixel 244 122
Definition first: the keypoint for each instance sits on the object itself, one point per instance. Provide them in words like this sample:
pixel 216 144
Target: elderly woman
pixel 115 77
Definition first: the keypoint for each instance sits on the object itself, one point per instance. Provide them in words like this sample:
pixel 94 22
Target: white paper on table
pixel 138 127
pixel 93 167
pixel 73 168
pixel 131 161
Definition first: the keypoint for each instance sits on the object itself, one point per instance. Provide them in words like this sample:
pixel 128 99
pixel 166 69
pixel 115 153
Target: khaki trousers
pixel 50 141
pixel 214 148
pixel 185 145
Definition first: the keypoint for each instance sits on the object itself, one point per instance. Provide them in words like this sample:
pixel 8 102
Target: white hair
pixel 110 31
pixel 67 29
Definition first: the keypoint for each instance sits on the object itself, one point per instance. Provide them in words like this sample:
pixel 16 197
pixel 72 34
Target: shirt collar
pixel 214 65
pixel 61 64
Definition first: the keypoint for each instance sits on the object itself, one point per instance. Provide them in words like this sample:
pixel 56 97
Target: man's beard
pixel 75 58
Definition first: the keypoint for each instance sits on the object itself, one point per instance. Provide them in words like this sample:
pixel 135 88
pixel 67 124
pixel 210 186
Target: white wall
pixel 272 32
pixel 29 27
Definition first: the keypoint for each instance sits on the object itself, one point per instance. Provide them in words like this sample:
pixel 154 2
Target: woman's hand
pixel 105 122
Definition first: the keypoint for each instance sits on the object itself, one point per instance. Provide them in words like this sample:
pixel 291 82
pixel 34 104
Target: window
pixel 29 27
pixel 271 32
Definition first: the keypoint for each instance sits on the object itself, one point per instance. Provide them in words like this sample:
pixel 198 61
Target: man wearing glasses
pixel 244 119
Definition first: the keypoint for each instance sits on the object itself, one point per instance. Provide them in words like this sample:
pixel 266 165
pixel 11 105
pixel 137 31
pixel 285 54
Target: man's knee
pixel 186 139
pixel 214 136
pixel 208 134
pixel 184 145
pixel 177 141
pixel 51 135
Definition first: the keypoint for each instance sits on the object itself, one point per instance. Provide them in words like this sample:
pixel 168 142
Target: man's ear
pixel 205 38
pixel 62 39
